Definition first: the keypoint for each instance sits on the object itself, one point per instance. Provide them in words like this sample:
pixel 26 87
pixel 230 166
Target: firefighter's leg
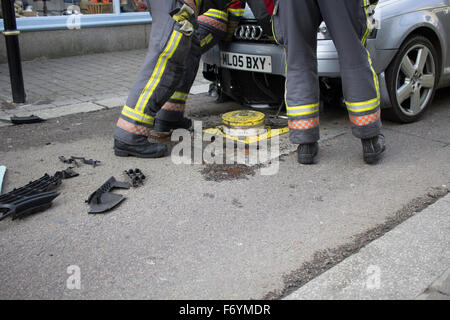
pixel 170 43
pixel 347 23
pixel 212 26
pixel 295 26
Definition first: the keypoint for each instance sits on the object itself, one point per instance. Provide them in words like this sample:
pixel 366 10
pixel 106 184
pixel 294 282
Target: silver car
pixel 410 49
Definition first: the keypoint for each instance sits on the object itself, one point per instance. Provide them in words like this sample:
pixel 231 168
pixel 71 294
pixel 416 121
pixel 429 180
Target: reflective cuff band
pixel 217 14
pixel 363 106
pixel 365 120
pixel 180 96
pixel 236 12
pixel 137 116
pixel 302 110
pixel 304 124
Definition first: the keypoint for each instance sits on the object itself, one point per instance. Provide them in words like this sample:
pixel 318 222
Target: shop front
pixel 55 28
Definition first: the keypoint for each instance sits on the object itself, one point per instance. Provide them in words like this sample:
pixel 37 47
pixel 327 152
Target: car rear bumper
pixel 328 60
pixel 326 54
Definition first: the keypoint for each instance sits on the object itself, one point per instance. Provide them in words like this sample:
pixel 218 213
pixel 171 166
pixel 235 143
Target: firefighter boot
pixel 307 152
pixel 373 148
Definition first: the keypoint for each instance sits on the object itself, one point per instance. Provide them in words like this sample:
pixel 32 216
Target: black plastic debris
pixel 91 162
pixel 136 176
pixel 33 197
pixel 103 200
pixel 73 160
pixel 66 174
pixel 26 120
pixel 23 120
pixel 68 161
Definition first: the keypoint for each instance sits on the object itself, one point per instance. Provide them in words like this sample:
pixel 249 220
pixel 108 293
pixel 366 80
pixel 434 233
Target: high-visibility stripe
pixel 363 103
pixel 290 114
pixel 165 56
pixel 366 33
pixel 314 105
pixel 273 33
pixel 217 14
pixel 179 96
pixel 365 107
pixel 138 116
pixel 206 40
pixel 214 16
pixel 306 109
pixel 237 12
pixel 375 77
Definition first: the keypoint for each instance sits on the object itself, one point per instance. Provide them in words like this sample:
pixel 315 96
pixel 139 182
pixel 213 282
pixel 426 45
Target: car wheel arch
pixel 429 32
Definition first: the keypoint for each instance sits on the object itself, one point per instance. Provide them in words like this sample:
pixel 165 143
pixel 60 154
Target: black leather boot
pixel 167 126
pixel 373 148
pixel 307 152
pixel 147 150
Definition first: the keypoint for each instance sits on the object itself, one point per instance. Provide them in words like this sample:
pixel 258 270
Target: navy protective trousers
pixel 295 25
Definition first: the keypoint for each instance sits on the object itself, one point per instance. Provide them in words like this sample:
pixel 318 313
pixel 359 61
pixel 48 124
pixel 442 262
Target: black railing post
pixel 13 51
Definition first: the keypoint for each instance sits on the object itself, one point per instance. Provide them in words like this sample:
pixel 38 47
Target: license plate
pixel 247 62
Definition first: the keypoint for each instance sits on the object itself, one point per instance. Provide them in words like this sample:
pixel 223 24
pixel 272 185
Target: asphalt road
pixel 181 236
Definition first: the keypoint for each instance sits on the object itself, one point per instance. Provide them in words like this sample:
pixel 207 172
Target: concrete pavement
pixel 182 236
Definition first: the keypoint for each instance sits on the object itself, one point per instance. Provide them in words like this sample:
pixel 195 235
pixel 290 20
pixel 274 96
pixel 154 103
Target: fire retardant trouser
pixel 295 25
pixel 181 32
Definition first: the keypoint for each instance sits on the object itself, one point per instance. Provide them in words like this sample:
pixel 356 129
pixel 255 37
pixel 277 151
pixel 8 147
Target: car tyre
pixel 412 78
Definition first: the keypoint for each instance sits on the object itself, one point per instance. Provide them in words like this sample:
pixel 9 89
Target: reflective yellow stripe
pixel 138 116
pixel 206 40
pixel 307 106
pixel 366 34
pixel 273 33
pixel 179 96
pixel 307 109
pixel 355 104
pixel 375 77
pixel 365 109
pixel 212 15
pixel 216 13
pixel 237 12
pixel 301 113
pixel 159 70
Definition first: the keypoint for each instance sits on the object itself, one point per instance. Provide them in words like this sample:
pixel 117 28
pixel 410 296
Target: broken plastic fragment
pixel 103 200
